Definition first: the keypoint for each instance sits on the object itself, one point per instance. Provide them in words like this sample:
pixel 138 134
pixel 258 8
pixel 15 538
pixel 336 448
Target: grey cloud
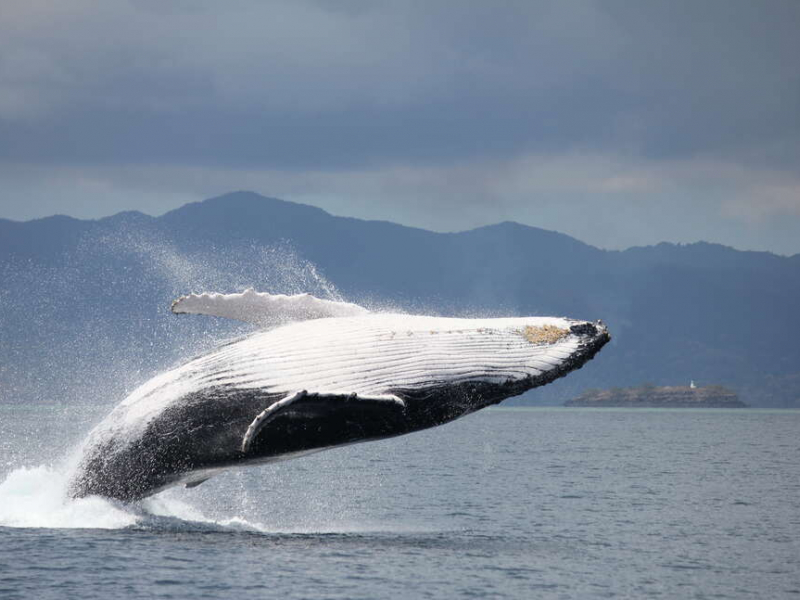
pixel 299 84
pixel 620 122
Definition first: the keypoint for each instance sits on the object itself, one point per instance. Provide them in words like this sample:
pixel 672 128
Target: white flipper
pixel 265 416
pixel 264 309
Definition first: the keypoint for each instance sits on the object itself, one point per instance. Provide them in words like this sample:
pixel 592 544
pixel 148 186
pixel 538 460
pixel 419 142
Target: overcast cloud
pixel 618 122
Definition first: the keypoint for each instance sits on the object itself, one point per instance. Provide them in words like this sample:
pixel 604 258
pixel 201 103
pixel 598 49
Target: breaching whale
pixel 322 374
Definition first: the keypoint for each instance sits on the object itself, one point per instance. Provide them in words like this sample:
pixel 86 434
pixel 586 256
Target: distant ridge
pixel 243 199
pixel 675 311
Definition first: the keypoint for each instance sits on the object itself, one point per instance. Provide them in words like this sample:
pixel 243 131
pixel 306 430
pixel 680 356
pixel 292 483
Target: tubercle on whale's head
pixel 596 329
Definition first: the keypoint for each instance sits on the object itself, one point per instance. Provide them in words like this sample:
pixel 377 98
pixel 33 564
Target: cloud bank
pixel 619 122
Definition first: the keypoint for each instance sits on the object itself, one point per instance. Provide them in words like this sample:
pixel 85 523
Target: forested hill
pixel 84 304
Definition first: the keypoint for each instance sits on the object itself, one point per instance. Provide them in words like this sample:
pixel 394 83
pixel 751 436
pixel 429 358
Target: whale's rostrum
pixel 326 374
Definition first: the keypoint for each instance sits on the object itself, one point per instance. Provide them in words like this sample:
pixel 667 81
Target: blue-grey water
pixel 507 503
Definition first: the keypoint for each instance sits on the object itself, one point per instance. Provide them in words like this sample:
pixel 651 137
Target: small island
pixel 651 396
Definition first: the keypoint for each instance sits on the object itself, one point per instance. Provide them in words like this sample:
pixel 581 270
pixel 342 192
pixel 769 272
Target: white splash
pixel 35 497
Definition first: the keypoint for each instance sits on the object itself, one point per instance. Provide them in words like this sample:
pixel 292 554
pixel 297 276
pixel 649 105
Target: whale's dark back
pixel 199 431
pixel 205 430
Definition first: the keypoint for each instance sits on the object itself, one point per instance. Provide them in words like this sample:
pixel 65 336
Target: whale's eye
pixel 546 334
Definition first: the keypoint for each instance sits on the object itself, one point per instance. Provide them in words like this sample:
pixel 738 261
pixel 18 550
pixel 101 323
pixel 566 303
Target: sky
pixel 621 123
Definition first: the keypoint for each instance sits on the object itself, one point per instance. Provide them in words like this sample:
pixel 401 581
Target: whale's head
pixel 485 361
pixel 556 349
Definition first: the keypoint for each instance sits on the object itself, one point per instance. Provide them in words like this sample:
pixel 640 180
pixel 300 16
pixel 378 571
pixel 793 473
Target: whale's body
pixel 343 377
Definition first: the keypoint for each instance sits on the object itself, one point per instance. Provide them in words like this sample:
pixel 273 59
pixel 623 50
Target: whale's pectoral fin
pixel 264 309
pixel 307 420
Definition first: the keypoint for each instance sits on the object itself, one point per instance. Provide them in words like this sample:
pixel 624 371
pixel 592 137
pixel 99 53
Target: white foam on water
pixel 35 497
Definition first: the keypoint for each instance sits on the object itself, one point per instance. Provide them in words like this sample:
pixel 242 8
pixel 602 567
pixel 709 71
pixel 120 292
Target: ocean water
pixel 506 503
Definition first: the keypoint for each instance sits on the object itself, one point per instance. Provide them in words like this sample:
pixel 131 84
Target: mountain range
pixel 84 305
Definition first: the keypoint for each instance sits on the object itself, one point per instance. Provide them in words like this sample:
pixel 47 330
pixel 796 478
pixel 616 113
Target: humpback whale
pixel 319 374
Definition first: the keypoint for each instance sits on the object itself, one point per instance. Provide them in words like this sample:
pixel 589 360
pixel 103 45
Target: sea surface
pixel 506 503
